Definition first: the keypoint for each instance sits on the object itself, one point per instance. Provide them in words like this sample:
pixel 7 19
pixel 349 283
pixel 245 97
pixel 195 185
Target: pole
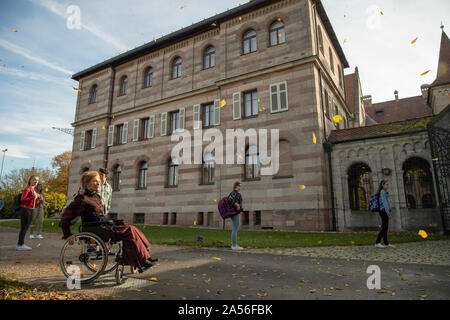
pixel 3 162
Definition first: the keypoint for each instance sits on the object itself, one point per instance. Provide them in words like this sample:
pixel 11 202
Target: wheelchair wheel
pixel 85 259
pixel 114 250
pixel 119 274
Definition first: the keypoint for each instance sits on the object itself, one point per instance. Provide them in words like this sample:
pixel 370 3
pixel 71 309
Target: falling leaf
pixel 219 259
pixel 426 72
pixel 181 8
pixel 215 200
pixel 76 89
pixel 195 222
pixel 223 103
pixel 46 189
pixel 240 18
pixel 279 19
pixel 414 41
pixel 436 159
pixel 103 128
pixel 423 234
pixel 15 30
pixel 345 40
pixel 22 67
pixel 153 279
pixel 314 138
pixel 404 279
pixel 382 13
pixel 53 224
pixel 38 245
pixel 313 291
pixel 302 187
pixel 337 118
pixel 345 16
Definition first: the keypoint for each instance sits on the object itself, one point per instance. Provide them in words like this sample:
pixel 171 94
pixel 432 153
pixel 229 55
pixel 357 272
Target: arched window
pixel 142 178
pixel 176 68
pixel 148 80
pixel 360 186
pixel 252 163
pixel 208 169
pixel 94 92
pixel 321 48
pixel 173 173
pixel 250 44
pixel 277 33
pixel 210 57
pixel 418 183
pixel 123 85
pixel 116 178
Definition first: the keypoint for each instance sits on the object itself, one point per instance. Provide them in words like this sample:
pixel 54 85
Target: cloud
pixel 60 11
pixel 25 53
pixel 29 75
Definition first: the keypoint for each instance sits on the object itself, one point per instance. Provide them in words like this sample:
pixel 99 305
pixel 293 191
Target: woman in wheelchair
pixel 88 206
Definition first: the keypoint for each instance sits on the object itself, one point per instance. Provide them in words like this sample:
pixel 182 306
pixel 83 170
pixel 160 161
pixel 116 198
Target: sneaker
pixel 379 245
pixel 236 248
pixel 39 236
pixel 23 248
pixel 32 236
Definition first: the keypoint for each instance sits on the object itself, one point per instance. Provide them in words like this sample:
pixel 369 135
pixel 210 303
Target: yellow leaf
pixel 414 41
pixel 382 13
pixel 103 128
pixel 339 288
pixel 240 18
pixel 337 118
pixel 314 138
pixel 223 103
pixel 76 89
pixel 215 200
pixel 153 279
pixel 302 187
pixel 426 72
pixel 217 258
pixel 345 40
pixel 15 30
pixel 181 8
pixel 423 234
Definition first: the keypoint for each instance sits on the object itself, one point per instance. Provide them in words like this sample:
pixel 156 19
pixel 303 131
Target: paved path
pixel 200 273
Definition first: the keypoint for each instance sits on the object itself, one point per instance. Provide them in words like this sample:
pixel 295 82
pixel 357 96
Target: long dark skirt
pixel 134 241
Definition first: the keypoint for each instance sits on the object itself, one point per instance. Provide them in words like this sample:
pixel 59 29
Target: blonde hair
pixel 87 177
pixel 31 178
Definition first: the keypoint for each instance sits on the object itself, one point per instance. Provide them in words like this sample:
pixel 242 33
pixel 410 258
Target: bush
pixel 54 203
pixel 8 195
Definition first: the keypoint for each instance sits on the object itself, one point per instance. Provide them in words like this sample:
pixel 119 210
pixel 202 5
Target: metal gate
pixel 440 152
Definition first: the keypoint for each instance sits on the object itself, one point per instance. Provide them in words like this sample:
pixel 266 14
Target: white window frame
pixel 278 93
pixel 237 106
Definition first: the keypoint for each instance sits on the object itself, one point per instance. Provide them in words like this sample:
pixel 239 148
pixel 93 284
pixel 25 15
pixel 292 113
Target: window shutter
pixel 217 112
pixel 110 136
pixel 83 136
pixel 197 123
pixel 136 130
pixel 152 126
pixel 274 107
pixel 182 118
pixel 283 96
pixel 237 106
pixel 94 138
pixel 164 124
pixel 330 106
pixel 125 133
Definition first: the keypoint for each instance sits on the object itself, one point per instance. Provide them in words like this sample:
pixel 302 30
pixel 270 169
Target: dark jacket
pixel 88 206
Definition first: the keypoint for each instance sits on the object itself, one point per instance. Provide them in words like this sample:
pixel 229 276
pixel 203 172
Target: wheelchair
pixel 95 251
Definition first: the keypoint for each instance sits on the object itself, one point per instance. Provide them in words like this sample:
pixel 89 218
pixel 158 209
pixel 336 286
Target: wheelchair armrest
pixel 97 223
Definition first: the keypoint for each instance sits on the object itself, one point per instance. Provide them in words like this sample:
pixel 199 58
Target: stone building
pixel 265 64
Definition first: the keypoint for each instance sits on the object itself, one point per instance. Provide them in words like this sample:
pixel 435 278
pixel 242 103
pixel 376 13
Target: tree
pixel 60 163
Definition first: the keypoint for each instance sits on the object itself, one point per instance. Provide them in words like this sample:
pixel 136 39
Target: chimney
pixel 424 88
pixel 367 101
pixel 396 95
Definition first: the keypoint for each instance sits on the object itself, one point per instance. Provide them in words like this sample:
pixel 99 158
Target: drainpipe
pixel 110 105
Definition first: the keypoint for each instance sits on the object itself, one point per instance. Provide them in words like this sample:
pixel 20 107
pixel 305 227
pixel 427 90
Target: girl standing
pixel 235 201
pixel 28 202
pixel 38 215
pixel 385 213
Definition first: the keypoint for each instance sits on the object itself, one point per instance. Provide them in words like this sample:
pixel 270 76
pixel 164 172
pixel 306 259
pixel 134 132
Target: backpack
pixel 225 210
pixel 374 203
pixel 17 201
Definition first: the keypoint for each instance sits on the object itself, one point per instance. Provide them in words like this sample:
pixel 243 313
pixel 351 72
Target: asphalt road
pixel 184 273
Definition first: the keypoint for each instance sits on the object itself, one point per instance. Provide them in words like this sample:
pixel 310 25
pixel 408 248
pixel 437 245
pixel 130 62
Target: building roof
pixel 443 74
pixel 350 91
pixel 203 26
pixel 380 130
pixel 399 110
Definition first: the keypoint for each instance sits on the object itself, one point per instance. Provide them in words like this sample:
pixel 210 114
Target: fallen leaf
pixel 153 279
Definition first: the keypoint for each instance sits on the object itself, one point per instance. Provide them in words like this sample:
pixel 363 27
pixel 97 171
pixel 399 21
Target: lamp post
pixel 3 162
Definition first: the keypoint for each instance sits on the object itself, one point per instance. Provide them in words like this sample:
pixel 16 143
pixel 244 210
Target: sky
pixel 41 47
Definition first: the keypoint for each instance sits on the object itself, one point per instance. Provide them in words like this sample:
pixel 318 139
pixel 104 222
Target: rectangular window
pixel 145 129
pixel 166 218
pixel 278 97
pixel 139 218
pixel 200 218
pixel 245 218
pixel 174 121
pixel 119 134
pixel 251 104
pixel 257 218
pixel 208 115
pixel 173 218
pixel 88 140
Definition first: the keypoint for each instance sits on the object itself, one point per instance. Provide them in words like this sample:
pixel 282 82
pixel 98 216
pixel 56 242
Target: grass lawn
pixel 251 239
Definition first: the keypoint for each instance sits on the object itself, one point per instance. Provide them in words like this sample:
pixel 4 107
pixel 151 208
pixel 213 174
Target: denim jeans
pixel 235 219
pixel 26 216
